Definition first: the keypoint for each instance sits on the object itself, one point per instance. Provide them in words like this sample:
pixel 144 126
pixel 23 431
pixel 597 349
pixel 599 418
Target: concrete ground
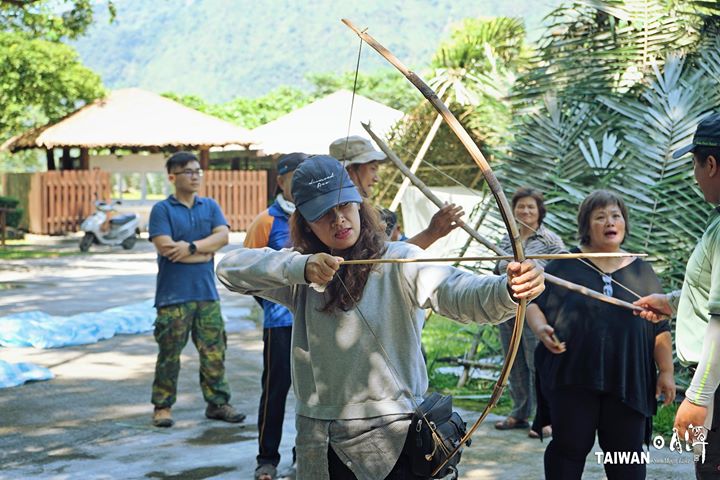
pixel 93 419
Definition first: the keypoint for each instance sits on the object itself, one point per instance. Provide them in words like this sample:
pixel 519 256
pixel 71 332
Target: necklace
pixel 607 283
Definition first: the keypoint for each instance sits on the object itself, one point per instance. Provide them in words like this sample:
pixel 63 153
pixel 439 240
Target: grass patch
pixel 663 421
pixel 12 252
pixel 445 338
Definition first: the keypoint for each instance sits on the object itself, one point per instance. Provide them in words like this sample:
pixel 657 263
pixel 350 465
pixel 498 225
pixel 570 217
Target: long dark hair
pixel 370 244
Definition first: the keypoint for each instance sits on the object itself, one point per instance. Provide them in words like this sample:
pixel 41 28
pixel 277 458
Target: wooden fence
pixel 57 202
pixel 242 194
pixel 60 200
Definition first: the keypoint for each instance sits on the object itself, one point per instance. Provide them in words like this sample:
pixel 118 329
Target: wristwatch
pixel 193 248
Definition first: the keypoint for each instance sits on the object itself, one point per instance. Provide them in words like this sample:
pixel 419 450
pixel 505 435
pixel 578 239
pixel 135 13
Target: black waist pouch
pixel 428 450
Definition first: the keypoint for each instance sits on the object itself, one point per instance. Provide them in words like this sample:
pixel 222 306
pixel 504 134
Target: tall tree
pixel 41 79
pixel 51 20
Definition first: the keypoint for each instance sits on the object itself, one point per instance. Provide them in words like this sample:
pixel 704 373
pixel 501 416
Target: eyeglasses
pixel 191 173
pixel 607 287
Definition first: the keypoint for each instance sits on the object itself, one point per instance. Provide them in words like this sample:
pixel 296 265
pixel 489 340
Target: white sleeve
pixel 457 294
pixel 707 376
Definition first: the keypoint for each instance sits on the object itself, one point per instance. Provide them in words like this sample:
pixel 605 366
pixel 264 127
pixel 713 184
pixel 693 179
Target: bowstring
pixel 349 124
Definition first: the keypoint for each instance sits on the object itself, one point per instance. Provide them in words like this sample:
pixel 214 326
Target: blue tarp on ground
pixel 14 374
pixel 40 330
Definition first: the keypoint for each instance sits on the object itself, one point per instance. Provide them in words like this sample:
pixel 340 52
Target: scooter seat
pixel 123 219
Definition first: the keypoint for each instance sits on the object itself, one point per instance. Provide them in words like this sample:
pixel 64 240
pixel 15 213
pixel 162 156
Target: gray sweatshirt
pixel 338 366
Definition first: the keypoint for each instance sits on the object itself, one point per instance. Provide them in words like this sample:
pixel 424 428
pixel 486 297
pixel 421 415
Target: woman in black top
pixel 600 374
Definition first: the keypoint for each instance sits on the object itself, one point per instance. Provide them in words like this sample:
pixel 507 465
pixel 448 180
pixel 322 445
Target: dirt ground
pixel 93 419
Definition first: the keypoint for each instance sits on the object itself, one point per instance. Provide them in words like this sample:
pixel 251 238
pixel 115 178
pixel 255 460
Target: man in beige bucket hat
pixel 362 162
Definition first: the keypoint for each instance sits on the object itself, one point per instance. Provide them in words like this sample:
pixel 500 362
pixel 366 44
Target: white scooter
pixel 124 229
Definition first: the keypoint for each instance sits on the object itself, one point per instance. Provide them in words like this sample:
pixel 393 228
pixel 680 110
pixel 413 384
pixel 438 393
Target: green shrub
pixel 12 218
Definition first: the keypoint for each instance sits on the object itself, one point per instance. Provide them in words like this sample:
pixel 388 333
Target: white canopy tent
pixel 312 128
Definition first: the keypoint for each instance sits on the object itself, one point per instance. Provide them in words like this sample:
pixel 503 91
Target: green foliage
pixel 12 219
pixel 249 112
pixel 664 420
pixel 473 73
pixel 607 101
pixel 51 20
pixel 21 252
pixel 384 86
pixel 40 81
pixel 442 337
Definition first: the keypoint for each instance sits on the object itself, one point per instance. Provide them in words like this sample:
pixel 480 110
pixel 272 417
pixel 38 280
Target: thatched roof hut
pixel 133 119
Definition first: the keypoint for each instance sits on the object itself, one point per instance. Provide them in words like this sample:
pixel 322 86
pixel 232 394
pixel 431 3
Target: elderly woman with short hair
pixel 529 210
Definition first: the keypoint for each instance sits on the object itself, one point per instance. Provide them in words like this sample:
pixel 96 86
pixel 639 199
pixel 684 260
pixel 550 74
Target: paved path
pixel 93 419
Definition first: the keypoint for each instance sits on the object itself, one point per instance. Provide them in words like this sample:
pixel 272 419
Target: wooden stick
pixel 495 258
pixel 591 293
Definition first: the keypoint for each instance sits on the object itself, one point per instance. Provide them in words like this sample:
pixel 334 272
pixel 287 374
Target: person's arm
pixel 212 243
pixel 161 236
pixel 180 251
pixel 666 370
pixel 699 395
pixel 272 274
pixel 443 222
pixel 658 306
pixel 468 297
pixel 537 321
pixel 166 247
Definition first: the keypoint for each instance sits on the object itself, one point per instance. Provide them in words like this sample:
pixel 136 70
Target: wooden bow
pixel 503 205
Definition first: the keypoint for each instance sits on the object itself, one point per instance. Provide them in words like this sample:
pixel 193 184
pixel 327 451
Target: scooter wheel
pixel 129 242
pixel 86 241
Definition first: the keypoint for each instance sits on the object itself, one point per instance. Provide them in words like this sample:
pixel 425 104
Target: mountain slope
pixel 221 49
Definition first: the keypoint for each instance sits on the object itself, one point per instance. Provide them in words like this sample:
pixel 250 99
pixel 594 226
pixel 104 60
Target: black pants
pixel 711 467
pixel 339 471
pixel 576 415
pixel 275 387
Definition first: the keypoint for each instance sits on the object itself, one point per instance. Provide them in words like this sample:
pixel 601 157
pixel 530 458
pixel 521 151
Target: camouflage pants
pixel 173 326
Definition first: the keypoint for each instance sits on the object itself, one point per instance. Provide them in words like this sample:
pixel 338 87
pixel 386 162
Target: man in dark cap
pixel 270 229
pixel 362 162
pixel 697 309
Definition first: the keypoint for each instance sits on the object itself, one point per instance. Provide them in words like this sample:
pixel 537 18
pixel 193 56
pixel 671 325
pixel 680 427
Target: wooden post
pixel 66 160
pixel 205 158
pixel 50 159
pixel 84 159
pixel 3 221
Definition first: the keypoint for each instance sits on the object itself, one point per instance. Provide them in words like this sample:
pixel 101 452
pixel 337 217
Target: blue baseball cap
pixel 321 183
pixel 706 135
pixel 289 162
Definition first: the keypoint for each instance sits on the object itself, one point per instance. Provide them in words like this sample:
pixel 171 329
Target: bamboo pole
pixel 493 258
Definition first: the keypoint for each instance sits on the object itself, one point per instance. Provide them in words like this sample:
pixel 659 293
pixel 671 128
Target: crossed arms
pixel 179 251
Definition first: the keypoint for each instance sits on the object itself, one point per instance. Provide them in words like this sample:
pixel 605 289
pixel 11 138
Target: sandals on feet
pixel 265 471
pixel 511 423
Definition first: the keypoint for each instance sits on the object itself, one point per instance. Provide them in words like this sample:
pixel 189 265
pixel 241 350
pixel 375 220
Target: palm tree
pixel 608 100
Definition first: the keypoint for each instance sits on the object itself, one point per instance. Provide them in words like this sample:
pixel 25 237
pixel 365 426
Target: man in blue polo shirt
pixel 187 230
